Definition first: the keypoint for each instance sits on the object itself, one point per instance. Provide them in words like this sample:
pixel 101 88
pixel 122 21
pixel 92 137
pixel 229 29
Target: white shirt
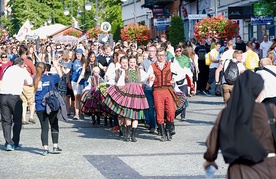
pixel 269 82
pixel 13 80
pixel 143 77
pixel 264 47
pixel 110 73
pixel 214 54
pixel 227 55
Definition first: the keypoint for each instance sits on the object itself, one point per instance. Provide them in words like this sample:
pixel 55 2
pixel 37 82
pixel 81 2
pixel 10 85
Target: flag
pixel 23 31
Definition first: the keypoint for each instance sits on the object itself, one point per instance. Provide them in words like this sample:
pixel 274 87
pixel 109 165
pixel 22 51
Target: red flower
pixel 94 32
pixel 72 32
pixel 135 32
pixel 216 27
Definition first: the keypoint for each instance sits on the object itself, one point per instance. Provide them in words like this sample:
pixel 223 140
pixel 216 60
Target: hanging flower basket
pixel 217 27
pixel 3 35
pixel 94 32
pixel 135 32
pixel 72 32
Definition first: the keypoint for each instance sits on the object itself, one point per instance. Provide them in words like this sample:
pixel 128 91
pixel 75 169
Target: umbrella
pixel 66 38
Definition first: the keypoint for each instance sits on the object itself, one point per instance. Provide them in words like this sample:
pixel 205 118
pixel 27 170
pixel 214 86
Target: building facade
pixel 150 12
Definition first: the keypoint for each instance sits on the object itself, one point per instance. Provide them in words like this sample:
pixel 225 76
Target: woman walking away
pixel 243 132
pixel 43 83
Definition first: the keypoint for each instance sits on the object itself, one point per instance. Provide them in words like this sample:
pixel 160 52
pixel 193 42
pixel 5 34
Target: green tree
pixel 39 11
pixel 176 30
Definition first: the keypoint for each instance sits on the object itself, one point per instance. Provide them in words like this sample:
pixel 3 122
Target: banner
pixel 23 31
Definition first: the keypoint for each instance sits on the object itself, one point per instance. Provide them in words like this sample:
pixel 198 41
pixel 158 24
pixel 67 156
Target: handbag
pixel 52 100
pixel 180 82
pixel 218 90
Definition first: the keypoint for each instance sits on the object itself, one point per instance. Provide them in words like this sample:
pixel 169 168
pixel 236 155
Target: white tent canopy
pixel 45 31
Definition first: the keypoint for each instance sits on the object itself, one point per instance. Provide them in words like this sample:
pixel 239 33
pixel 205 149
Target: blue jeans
pixel 149 113
pixel 184 89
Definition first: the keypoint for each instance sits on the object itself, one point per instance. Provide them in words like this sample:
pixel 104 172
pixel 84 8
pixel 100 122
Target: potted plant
pixel 217 27
pixel 135 32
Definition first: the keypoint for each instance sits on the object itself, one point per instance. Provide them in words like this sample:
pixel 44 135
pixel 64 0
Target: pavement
pixel 95 152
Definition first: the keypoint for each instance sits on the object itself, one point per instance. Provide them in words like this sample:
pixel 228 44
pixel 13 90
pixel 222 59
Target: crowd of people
pixel 123 84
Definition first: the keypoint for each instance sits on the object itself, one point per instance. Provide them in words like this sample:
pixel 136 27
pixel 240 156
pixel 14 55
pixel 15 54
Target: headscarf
pixel 237 142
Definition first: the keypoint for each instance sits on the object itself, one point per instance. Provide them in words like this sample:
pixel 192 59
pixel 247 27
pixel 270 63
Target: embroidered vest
pixel 162 77
pixel 133 75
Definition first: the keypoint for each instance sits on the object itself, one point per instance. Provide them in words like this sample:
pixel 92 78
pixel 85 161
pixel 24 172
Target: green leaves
pixel 176 30
pixel 39 11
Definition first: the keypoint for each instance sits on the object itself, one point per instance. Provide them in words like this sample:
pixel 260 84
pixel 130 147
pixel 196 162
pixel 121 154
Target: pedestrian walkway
pixel 95 152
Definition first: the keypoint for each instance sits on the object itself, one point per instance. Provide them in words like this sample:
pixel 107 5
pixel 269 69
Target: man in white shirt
pixel 11 103
pixel 269 94
pixel 161 78
pixel 265 46
pixel 227 88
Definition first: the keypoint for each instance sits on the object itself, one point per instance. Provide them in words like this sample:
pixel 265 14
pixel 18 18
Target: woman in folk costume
pixel 127 97
pixel 91 96
pixel 110 79
pixel 243 132
pixel 118 73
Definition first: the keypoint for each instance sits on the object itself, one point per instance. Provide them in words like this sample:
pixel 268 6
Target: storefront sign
pixel 262 20
pixel 196 16
pixel 162 27
pixel 161 21
pixel 240 12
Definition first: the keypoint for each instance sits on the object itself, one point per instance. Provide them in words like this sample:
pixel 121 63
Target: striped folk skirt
pixel 127 101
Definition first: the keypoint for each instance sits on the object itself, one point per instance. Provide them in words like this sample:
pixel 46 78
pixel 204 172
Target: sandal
pixel 32 121
pixel 25 122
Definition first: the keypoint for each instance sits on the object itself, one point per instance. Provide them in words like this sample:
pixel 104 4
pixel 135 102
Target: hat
pixel 203 41
pixel 4 55
pixel 79 50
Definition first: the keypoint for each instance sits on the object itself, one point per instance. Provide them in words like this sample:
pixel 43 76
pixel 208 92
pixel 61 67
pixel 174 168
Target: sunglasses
pixel 3 56
pixel 178 51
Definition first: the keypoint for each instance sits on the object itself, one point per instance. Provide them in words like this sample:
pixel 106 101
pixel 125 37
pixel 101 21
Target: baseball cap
pixel 79 50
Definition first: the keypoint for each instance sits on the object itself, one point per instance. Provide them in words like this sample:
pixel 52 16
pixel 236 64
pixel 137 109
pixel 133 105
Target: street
pixel 95 152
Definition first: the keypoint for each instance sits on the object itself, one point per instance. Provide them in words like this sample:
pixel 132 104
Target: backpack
pixel 52 100
pixel 201 53
pixel 231 73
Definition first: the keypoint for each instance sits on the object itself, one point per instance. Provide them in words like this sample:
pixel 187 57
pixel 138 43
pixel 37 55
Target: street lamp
pixel 49 20
pixel 66 11
pixel 88 6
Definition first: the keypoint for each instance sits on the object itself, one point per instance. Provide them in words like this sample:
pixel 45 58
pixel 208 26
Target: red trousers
pixel 163 101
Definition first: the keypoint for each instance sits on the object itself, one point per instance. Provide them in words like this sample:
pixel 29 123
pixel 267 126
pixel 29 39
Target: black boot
pixel 133 138
pixel 162 132
pixel 93 120
pixel 105 121
pixel 110 122
pixel 128 130
pixel 168 133
pixel 98 120
pixel 121 131
pixel 172 129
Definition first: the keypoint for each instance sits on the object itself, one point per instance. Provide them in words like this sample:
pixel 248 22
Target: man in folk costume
pixel 162 75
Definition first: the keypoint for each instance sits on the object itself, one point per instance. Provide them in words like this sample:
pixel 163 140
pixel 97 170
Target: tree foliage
pixel 176 30
pixel 39 11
